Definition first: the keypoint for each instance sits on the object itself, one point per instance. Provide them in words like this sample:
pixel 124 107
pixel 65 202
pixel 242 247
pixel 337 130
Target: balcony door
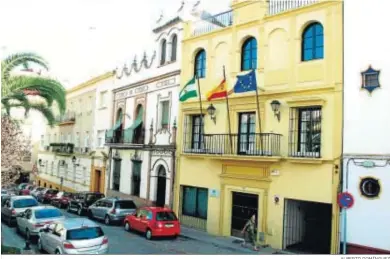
pixel 247 133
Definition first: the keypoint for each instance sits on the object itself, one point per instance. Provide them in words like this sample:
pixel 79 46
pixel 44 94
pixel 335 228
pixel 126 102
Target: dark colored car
pixel 61 200
pixel 81 201
pixel 47 195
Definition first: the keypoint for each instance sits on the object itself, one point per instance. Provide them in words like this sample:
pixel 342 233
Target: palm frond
pixel 15 60
pixel 40 107
pixel 49 89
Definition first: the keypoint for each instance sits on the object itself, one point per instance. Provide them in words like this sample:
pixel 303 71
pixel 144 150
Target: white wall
pixel 368 220
pixel 366 117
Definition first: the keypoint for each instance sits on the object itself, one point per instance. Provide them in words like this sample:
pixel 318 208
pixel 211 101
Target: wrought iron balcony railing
pixel 118 137
pixel 67 118
pixel 62 147
pixel 209 23
pixel 252 144
pixel 280 6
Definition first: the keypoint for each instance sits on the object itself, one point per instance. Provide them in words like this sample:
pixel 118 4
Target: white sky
pixel 59 30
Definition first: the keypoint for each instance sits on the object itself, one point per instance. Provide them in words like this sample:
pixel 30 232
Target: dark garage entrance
pixel 307 227
pixel 244 205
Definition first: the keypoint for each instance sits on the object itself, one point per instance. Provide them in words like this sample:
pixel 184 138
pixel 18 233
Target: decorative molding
pixel 311 101
pixel 370 71
pixel 134 66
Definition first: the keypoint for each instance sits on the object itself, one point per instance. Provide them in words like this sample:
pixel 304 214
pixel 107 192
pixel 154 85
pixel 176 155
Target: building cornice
pixel 169 23
pixel 91 82
pixel 146 81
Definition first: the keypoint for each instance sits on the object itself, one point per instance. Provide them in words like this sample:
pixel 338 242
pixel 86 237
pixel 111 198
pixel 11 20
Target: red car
pixel 154 222
pixel 26 190
pixel 47 196
pixel 61 199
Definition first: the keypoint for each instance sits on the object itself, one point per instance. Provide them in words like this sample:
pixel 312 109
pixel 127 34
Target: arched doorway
pixel 161 186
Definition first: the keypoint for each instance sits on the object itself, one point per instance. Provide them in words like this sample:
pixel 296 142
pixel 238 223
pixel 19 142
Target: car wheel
pixel 148 234
pixel 40 248
pixel 18 229
pixel 68 208
pixel 9 222
pixel 127 227
pixel 57 252
pixel 107 220
pixel 80 211
pixel 90 214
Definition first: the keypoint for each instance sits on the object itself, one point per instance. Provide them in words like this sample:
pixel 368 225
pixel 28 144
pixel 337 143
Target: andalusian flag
pixel 189 91
pixel 218 92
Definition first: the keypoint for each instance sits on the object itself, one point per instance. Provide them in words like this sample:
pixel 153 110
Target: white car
pixel 35 191
pixel 73 236
pixel 31 221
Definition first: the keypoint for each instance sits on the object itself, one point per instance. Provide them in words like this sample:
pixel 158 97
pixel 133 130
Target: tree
pixel 16 89
pixel 14 146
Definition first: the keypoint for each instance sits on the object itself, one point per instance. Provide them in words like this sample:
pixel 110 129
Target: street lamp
pixel 211 111
pixel 275 105
pixel 74 160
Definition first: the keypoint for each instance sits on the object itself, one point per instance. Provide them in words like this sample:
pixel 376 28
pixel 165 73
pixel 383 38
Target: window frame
pixel 162 124
pixel 248 133
pixel 200 125
pixel 163 53
pixel 248 46
pixel 174 48
pixel 315 26
pixel 196 215
pixel 200 64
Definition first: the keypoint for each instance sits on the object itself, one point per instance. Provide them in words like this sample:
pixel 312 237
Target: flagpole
pixel 258 115
pixel 200 103
pixel 228 112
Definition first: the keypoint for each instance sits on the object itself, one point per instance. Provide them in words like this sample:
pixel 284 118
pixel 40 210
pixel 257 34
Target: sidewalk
pixel 223 242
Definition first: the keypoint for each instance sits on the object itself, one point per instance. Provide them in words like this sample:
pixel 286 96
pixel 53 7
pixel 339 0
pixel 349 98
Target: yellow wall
pixel 283 77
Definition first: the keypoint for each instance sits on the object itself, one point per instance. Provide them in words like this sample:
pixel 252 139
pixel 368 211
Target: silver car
pixel 73 236
pixel 14 205
pixel 111 210
pixel 36 191
pixel 33 220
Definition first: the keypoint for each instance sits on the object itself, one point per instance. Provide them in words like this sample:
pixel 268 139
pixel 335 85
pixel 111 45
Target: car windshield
pixel 125 205
pixel 47 213
pixel 24 203
pixel 3 192
pixel 39 189
pixel 52 191
pixel 84 233
pixel 165 216
pixel 92 197
pixel 66 194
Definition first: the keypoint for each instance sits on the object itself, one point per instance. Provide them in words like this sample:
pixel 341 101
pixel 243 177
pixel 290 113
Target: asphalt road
pixel 122 242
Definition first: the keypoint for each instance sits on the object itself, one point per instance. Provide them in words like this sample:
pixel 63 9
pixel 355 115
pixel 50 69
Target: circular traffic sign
pixel 345 200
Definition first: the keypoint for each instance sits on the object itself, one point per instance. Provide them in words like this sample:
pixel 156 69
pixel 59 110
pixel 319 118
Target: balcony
pixel 280 6
pixel 254 144
pixel 125 137
pixel 66 119
pixel 209 23
pixel 67 148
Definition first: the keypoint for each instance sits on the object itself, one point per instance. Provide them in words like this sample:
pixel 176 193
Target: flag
pixel 245 83
pixel 218 92
pixel 189 91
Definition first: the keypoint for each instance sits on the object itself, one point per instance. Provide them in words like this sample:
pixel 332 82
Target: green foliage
pixel 10 250
pixel 17 89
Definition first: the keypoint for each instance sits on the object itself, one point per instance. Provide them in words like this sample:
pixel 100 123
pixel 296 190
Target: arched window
pixel 313 42
pixel 200 64
pixel 174 48
pixel 249 54
pixel 163 51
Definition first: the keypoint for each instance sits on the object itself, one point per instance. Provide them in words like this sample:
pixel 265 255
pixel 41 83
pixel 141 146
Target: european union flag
pixel 246 83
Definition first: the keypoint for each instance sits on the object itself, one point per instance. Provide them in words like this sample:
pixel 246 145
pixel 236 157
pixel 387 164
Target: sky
pixel 84 38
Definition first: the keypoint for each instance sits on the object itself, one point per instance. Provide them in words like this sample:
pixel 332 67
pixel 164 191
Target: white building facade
pixel 366 158
pixel 142 138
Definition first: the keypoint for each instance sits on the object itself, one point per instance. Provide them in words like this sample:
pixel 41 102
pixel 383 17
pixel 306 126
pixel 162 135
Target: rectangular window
pixel 86 139
pixel 55 138
pixel 193 134
pixel 69 138
pixel 101 138
pixel 164 114
pixel 371 79
pixel 90 103
pixel 77 140
pixel 305 132
pixel 247 133
pixel 103 99
pixel 62 138
pixel 195 202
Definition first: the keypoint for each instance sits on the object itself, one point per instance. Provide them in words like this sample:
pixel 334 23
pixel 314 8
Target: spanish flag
pixel 218 92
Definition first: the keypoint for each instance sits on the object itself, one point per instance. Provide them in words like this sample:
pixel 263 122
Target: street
pixel 122 242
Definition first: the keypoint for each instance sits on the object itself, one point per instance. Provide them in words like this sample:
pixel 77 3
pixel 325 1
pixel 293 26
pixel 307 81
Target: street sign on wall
pixel 345 200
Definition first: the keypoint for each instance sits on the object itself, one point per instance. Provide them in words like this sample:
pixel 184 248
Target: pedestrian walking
pixel 249 232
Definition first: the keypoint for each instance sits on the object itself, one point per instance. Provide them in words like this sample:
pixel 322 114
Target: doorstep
pixel 223 242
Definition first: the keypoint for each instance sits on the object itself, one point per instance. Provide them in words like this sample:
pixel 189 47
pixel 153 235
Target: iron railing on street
pixel 280 6
pixel 248 144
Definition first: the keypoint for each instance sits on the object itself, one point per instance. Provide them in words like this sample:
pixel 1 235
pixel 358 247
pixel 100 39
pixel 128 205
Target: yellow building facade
pixel 287 174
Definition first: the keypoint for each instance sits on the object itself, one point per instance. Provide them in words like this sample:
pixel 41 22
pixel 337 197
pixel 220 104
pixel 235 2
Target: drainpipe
pixel 108 170
pixel 344 211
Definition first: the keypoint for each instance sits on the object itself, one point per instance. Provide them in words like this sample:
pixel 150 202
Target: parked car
pixel 27 190
pixel 73 236
pixel 13 205
pixel 111 210
pixel 61 200
pixel 32 220
pixel 36 191
pixel 81 201
pixel 154 222
pixel 47 196
pixel 21 186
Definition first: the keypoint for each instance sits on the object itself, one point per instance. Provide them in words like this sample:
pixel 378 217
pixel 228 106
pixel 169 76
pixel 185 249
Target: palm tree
pixel 16 89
